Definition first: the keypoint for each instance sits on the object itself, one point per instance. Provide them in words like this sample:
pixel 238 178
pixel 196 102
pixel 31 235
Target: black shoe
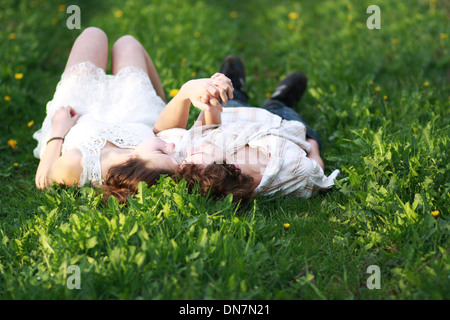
pixel 233 67
pixel 290 90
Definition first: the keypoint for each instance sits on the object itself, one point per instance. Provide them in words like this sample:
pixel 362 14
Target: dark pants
pixel 277 107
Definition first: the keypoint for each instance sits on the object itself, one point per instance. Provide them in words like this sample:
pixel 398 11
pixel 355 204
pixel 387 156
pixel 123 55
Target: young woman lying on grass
pixel 97 121
pixel 253 151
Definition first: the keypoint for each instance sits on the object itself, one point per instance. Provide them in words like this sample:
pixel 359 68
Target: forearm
pixel 314 152
pixel 208 118
pixel 51 154
pixel 213 117
pixel 175 114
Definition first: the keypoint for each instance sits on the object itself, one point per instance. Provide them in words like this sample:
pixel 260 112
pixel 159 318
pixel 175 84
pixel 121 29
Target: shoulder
pixel 67 169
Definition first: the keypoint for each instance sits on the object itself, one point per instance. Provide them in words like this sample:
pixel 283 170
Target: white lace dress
pixel 121 109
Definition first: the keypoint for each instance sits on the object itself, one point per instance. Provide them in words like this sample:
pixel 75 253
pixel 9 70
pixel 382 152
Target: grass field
pixel 379 98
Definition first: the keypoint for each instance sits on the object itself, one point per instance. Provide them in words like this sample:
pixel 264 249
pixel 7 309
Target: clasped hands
pixel 208 94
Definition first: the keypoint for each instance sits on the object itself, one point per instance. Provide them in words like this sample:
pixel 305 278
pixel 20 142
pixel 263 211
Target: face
pixel 206 154
pixel 157 153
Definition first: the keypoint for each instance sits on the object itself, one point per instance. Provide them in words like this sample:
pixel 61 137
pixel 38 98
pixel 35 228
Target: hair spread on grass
pixel 123 179
pixel 218 180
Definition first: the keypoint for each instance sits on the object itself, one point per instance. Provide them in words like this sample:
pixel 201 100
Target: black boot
pixel 291 89
pixel 233 67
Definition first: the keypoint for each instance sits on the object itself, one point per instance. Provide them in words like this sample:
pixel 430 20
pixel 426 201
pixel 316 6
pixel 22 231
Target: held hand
pixel 206 94
pixel 63 120
pixel 222 81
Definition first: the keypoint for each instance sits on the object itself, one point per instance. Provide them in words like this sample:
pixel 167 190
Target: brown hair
pixel 122 180
pixel 218 180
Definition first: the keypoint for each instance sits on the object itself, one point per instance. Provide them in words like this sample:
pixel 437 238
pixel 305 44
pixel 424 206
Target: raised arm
pixel 50 167
pixel 204 94
pixel 209 117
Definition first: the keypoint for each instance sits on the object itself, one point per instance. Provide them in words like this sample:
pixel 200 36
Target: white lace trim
pixel 88 69
pixel 92 146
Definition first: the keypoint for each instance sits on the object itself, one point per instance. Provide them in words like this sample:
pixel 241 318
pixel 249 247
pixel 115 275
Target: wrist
pixel 182 98
pixel 55 138
pixel 314 146
pixel 183 94
pixel 58 132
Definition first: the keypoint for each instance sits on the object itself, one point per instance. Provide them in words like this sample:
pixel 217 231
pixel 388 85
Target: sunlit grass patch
pixel 377 97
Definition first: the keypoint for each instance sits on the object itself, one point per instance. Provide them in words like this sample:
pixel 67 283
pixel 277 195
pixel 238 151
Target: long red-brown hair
pixel 122 180
pixel 218 180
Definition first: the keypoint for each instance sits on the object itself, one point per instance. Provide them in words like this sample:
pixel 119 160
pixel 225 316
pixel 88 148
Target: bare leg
pixel 91 45
pixel 154 77
pixel 127 51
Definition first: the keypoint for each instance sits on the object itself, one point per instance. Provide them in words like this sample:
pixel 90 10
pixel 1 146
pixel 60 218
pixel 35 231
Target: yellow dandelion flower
pixel 286 226
pixel 233 14
pixel 194 74
pixel 371 82
pixel 12 36
pixel 293 15
pixel 62 7
pixel 15 164
pixel 7 98
pixel 173 92
pixel 18 76
pixel 385 97
pixel 319 106
pixel 268 95
pixel 435 213
pixel 377 89
pixel 183 61
pixel 426 84
pixel 443 36
pixel 197 34
pixel 12 143
pixel 118 14
pixel 30 124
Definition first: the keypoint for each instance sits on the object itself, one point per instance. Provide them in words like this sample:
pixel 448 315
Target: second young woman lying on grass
pixel 253 151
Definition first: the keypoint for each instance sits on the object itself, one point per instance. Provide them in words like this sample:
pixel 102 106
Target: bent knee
pixel 94 32
pixel 127 42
